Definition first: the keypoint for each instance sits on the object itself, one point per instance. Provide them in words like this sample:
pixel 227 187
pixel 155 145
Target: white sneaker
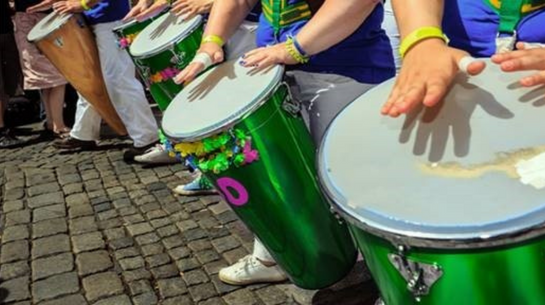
pixel 250 270
pixel 156 155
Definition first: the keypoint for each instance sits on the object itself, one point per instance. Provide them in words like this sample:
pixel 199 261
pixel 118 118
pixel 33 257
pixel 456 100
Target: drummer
pixel 430 65
pixel 126 92
pixel 334 52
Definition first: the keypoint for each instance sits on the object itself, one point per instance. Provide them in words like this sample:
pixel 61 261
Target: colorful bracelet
pixel 299 47
pixel 213 39
pixel 294 52
pixel 419 35
pixel 85 5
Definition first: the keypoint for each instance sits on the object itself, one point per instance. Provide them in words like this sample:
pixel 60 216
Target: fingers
pixel 217 57
pixel 533 80
pixel 178 7
pixel 45 5
pixel 132 14
pixel 189 73
pixel 151 11
pixel 468 64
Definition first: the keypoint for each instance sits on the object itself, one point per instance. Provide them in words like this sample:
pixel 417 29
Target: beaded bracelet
pixel 299 47
pixel 294 52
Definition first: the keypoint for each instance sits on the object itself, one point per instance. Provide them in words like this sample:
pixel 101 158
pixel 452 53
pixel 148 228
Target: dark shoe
pixel 8 140
pixel 73 143
pixel 131 153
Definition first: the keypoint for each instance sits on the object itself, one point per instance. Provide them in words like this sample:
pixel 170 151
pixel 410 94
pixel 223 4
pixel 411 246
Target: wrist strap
pixel 294 53
pixel 419 35
pixel 213 39
pixel 85 5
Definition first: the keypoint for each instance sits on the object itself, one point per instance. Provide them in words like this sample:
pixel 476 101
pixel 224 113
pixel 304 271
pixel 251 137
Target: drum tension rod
pixel 420 277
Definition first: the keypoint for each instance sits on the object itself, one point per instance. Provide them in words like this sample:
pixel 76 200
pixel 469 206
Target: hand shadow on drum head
pixel 535 96
pixel 433 125
pixel 211 80
pixel 170 20
pixel 256 70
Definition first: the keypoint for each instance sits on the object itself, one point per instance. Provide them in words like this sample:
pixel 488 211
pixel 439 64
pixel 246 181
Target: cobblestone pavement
pixel 86 228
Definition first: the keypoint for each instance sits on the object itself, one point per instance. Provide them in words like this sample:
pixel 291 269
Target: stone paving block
pixel 227 217
pixel 80 210
pixel 150 207
pixel 110 223
pixel 225 244
pixel 240 297
pixel 234 255
pixel 13 205
pixel 199 245
pixel 179 300
pixel 13 184
pixel 213 301
pixel 222 287
pixel 187 264
pixel 101 285
pixel 77 199
pixel 117 300
pixel 148 298
pixel 171 287
pixel 144 199
pixel 74 299
pixel 14 194
pixel 83 225
pixel 139 229
pixel 87 242
pixel 127 210
pixel 69 178
pixel 215 267
pixel 202 292
pixel 167 231
pixel 93 262
pixel 132 263
pixel 165 271
pixel 139 287
pixel 72 188
pixel 14 251
pixel 49 227
pixel 272 295
pixel 158 260
pixel 147 239
pixel 119 196
pixel 17 288
pixel 178 253
pixel 114 233
pixel 152 249
pixel 195 234
pixel 135 219
pixel 173 241
pixel 45 267
pixel 50 245
pixel 156 214
pixel 45 200
pixel 96 194
pixel 49 212
pixel 195 277
pixel 179 216
pixel 128 252
pixel 107 215
pixel 89 175
pixel 207 256
pixel 55 286
pixel 43 189
pixel 99 200
pixel 12 270
pixel 13 233
pixel 17 217
pixel 102 207
pixel 135 275
pixel 219 208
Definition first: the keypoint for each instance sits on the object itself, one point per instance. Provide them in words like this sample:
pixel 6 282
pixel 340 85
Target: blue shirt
pixel 108 11
pixel 472 25
pixel 365 56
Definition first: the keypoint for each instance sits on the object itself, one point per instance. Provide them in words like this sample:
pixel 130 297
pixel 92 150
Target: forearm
pixel 334 22
pixel 413 14
pixel 226 16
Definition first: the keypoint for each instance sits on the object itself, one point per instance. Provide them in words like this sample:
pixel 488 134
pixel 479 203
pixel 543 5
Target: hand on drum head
pixel 148 11
pixel 138 9
pixel 426 74
pixel 191 8
pixel 263 58
pixel 42 6
pixel 68 7
pixel 196 67
pixel 527 57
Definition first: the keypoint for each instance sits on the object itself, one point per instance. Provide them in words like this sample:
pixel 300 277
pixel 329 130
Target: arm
pixel 429 66
pixel 62 6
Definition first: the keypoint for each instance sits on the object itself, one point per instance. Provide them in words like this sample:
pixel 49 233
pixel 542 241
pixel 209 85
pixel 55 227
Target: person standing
pixel 10 73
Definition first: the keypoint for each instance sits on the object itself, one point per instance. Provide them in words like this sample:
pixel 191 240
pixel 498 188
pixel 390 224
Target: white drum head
pixel 473 169
pixel 217 100
pixel 125 25
pixel 162 33
pixel 48 25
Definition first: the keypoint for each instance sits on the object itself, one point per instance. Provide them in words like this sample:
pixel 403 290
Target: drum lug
pixel 340 220
pixel 420 277
pixel 289 104
pixel 59 42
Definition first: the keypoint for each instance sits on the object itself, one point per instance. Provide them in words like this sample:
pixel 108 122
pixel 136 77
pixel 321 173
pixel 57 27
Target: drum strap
pixel 281 14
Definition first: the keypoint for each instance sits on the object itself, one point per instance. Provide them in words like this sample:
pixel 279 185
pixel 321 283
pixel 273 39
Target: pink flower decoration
pixel 250 155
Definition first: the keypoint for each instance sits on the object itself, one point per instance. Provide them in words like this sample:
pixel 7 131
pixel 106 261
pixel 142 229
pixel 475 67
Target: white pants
pixel 322 97
pixel 126 94
pixel 390 26
pixel 242 41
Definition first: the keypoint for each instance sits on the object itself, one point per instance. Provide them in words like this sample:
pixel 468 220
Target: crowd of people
pixel 334 51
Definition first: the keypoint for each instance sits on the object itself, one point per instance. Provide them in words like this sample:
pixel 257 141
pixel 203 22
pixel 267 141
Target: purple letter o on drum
pixel 227 186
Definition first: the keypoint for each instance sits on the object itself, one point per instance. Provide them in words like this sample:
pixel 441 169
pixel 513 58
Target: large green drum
pixel 164 48
pixel 447 204
pixel 126 33
pixel 241 129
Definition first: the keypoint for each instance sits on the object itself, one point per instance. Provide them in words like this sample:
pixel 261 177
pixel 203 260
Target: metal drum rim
pixel 452 240
pixel 53 30
pixel 233 119
pixel 125 25
pixel 199 21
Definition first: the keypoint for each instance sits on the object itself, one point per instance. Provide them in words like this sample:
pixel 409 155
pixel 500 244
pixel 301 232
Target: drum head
pixel 218 99
pixel 125 25
pixel 48 25
pixel 162 33
pixel 471 168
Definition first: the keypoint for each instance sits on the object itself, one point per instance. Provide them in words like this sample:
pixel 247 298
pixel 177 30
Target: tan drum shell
pixel 72 50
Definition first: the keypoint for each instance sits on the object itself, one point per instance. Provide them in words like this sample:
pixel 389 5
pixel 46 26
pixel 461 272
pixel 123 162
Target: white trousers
pixel 126 94
pixel 242 41
pixel 390 26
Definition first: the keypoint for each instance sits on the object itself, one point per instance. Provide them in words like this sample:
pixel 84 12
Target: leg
pixel 56 104
pixel 86 129
pixel 44 94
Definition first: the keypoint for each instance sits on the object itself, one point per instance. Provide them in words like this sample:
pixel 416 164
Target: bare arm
pixel 226 16
pixel 413 14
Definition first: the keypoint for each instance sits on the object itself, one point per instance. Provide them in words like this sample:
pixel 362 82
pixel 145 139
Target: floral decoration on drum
pixel 164 75
pixel 217 153
pixel 126 41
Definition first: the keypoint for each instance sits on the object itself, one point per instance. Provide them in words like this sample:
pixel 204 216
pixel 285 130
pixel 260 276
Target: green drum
pixel 126 33
pixel 448 204
pixel 164 48
pixel 241 129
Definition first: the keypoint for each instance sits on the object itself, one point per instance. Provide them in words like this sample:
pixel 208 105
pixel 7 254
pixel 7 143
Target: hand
pixel 523 59
pixel 68 7
pixel 262 58
pixel 193 69
pixel 427 72
pixel 190 8
pixel 141 6
pixel 42 6
pixel 151 10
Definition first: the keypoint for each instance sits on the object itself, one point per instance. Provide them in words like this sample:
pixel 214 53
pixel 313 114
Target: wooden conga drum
pixel 70 45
